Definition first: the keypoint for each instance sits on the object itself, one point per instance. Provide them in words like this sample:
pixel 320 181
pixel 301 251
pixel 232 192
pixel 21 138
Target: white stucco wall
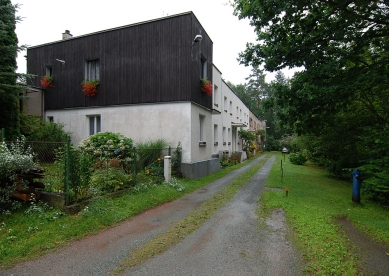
pixel 174 122
pixel 200 153
pixel 232 111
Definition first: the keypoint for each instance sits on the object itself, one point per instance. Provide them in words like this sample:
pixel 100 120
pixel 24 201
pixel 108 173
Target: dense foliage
pixel 9 90
pixel 33 128
pixel 340 96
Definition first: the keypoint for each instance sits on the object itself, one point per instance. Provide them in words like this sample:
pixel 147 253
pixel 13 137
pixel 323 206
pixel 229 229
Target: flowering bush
pixel 108 146
pixel 206 86
pixel 13 161
pixel 46 81
pixel 89 87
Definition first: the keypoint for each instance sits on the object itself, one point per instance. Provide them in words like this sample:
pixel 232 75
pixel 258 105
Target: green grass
pixel 23 237
pixel 313 203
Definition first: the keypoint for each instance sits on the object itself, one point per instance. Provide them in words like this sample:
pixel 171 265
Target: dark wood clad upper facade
pixel 147 62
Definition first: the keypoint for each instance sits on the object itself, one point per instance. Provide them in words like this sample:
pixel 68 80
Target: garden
pixel 102 164
pixel 105 165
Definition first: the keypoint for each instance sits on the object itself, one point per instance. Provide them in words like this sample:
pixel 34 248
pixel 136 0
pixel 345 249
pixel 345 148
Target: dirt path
pixel 374 257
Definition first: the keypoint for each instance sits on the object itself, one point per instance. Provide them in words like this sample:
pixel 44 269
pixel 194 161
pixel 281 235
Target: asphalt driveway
pixel 230 243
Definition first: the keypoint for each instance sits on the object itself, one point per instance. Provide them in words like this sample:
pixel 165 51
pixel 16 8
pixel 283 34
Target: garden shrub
pixel 108 145
pixel 298 158
pixel 15 159
pixel 108 180
pixel 36 129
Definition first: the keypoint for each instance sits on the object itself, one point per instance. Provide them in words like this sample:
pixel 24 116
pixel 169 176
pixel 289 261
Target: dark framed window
pixel 92 69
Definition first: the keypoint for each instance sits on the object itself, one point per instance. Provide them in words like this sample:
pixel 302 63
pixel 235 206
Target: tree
pixel 257 86
pixel 248 138
pixel 306 33
pixel 9 89
pixel 340 97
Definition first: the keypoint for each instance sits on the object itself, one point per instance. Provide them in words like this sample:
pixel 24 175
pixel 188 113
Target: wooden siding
pixel 141 63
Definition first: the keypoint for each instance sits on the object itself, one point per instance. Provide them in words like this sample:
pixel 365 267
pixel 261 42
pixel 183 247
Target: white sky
pixel 45 20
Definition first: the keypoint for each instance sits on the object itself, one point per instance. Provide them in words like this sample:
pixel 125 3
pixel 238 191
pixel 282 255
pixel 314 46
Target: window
pixel 224 134
pixel 215 94
pixel 92 69
pixel 204 74
pixel 201 117
pixel 50 118
pixel 94 124
pixel 48 71
pixel 215 133
pixel 225 104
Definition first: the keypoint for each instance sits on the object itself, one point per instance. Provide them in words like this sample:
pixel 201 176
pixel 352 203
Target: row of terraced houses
pixel 149 88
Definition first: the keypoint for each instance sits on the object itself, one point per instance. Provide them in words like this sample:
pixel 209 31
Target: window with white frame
pixel 50 118
pixel 204 74
pixel 215 133
pixel 201 118
pixel 94 124
pixel 225 103
pixel 215 94
pixel 48 71
pixel 92 69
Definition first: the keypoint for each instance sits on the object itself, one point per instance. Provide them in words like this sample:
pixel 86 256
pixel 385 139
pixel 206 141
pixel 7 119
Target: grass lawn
pixel 313 203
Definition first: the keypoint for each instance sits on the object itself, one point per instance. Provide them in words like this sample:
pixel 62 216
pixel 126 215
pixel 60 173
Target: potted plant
pixel 89 87
pixel 46 81
pixel 206 86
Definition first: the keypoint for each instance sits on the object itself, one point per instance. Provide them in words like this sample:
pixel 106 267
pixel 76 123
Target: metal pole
pixel 67 172
pixel 282 172
pixel 134 165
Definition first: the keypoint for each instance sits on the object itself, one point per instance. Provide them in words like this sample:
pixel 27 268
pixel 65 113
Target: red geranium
pixel 90 87
pixel 46 81
pixel 206 87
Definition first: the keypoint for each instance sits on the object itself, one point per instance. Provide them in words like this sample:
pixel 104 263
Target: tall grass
pixel 313 203
pixel 149 151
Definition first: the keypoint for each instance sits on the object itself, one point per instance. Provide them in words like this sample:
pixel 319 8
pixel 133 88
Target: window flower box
pixel 46 81
pixel 206 86
pixel 89 87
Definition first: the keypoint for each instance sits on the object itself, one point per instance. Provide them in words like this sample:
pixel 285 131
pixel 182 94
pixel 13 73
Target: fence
pixel 80 174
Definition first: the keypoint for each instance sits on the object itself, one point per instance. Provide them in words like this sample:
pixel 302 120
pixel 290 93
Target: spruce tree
pixel 9 89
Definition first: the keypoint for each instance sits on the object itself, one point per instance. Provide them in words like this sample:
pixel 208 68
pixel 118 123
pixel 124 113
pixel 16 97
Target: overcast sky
pixel 45 21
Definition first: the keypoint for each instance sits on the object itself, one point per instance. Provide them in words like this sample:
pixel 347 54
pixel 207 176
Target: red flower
pixel 90 87
pixel 46 82
pixel 206 87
